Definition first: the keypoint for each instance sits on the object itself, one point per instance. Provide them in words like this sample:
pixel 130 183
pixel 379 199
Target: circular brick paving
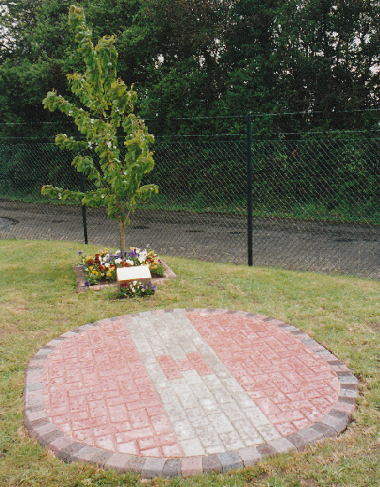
pixel 185 391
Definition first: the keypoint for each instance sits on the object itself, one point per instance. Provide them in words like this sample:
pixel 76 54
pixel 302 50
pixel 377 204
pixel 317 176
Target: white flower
pixel 130 262
pixel 118 261
pixel 59 196
pixel 142 256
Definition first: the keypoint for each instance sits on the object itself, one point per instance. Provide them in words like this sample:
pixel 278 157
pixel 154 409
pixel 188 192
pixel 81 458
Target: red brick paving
pixel 90 387
pixel 288 381
pixel 194 361
pixel 98 391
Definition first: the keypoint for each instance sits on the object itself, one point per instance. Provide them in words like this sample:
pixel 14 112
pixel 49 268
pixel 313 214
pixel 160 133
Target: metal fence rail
pixel 315 202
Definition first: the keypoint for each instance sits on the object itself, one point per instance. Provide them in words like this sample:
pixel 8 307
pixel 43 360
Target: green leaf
pixel 108 104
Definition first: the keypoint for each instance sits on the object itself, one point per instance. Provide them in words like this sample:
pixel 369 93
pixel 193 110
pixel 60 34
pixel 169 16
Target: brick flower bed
pixel 78 270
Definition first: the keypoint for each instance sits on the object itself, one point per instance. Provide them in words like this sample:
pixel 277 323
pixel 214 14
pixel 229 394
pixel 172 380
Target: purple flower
pixel 80 252
pixel 86 283
pixel 150 284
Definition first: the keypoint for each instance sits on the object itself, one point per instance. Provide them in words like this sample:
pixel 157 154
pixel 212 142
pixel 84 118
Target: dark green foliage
pixel 206 57
pixel 24 168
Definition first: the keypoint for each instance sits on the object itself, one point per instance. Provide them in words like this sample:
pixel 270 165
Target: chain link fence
pixel 315 202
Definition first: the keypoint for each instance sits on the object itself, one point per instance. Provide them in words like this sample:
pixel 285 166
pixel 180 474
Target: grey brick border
pixel 68 449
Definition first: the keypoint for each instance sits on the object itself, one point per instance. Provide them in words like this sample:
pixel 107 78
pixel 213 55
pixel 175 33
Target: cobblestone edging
pixel 69 449
pixel 168 274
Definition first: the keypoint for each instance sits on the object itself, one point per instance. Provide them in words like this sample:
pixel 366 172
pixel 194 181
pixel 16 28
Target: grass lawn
pixel 38 302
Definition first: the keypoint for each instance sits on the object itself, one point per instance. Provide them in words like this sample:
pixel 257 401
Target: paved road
pixel 289 244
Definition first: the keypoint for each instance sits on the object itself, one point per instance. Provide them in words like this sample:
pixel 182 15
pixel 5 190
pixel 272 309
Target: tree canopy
pixel 205 57
pixel 106 106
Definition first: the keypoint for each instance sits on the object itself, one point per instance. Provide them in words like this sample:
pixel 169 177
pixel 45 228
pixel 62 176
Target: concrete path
pixel 172 392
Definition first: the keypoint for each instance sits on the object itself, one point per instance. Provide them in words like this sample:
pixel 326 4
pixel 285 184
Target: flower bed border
pixel 78 271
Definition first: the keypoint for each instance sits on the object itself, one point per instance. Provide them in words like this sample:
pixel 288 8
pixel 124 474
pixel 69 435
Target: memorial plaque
pixel 127 275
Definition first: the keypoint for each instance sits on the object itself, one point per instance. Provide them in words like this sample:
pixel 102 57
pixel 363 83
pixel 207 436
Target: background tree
pixel 207 57
pixel 108 106
pixel 332 59
pixel 317 56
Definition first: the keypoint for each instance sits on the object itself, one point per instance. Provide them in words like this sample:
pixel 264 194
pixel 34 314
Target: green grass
pixel 282 209
pixel 38 302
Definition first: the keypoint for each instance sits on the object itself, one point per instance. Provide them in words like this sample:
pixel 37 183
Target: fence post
pixel 249 191
pixel 83 189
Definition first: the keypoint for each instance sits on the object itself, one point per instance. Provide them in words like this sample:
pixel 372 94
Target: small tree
pixel 109 105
